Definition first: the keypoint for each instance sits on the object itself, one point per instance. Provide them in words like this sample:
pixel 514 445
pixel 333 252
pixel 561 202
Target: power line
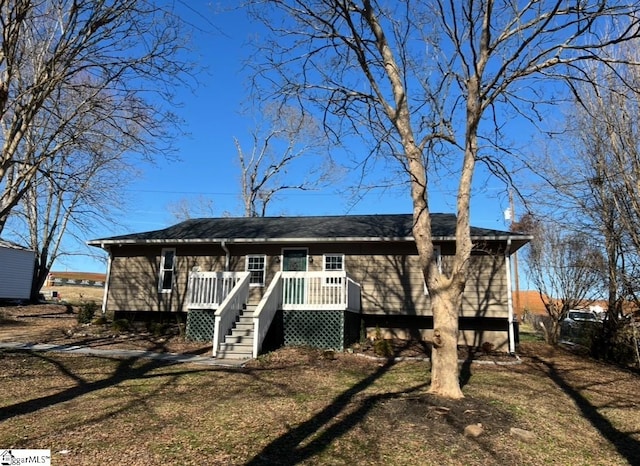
pixel 161 191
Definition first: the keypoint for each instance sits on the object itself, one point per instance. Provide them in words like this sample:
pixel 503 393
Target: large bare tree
pixel 187 208
pixel 284 140
pixel 433 82
pixel 607 151
pixel 118 60
pixel 566 267
pixel 74 189
pixel 593 176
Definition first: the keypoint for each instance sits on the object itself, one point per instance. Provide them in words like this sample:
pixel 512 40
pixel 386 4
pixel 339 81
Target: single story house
pixel 322 280
pixel 16 271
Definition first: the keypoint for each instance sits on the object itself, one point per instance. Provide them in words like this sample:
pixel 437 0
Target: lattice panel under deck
pixel 320 329
pixel 200 325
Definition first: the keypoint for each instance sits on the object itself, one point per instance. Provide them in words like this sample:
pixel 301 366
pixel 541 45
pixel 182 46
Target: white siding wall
pixel 16 273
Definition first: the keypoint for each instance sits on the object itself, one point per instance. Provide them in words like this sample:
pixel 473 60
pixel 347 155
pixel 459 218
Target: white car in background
pixel 581 316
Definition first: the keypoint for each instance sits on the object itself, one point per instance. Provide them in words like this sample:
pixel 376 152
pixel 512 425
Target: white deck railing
pixel 319 291
pixel 303 291
pixel 229 309
pixel 228 292
pixel 207 290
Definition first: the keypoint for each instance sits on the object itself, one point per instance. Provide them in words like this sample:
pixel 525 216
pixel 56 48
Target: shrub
pixel 100 320
pixel 363 333
pixel 616 344
pixel 87 312
pixel 120 325
pixel 157 328
pixel 487 347
pixel 381 346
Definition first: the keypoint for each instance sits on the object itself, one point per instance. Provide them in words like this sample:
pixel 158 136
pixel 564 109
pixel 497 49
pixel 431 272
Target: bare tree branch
pixel 290 137
pixel 117 60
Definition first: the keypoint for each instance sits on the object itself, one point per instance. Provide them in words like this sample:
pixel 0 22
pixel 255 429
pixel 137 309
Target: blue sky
pixel 208 167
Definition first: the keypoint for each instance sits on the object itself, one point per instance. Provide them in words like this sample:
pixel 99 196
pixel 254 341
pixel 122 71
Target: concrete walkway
pixel 125 354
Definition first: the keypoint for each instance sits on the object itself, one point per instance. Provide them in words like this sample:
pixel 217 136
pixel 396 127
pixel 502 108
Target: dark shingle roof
pixel 250 229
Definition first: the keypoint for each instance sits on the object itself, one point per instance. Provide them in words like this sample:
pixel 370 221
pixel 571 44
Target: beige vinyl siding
pixel 133 283
pixel 388 272
pixel 392 282
pixel 486 293
pixel 238 263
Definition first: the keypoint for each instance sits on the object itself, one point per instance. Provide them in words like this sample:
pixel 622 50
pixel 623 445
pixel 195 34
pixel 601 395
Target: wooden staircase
pixel 239 343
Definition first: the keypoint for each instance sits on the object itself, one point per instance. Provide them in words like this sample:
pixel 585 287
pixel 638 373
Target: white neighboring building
pixel 16 271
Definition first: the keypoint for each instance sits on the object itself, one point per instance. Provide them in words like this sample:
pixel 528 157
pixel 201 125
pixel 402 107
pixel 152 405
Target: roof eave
pixel 134 241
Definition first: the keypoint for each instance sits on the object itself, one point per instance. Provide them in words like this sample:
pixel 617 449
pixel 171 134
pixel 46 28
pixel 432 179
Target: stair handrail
pixel 265 312
pixel 354 295
pixel 227 313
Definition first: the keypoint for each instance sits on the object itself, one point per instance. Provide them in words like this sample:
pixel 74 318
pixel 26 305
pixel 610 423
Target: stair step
pixel 241 332
pixel 237 355
pixel 243 345
pixel 239 343
pixel 238 339
pixel 235 351
pixel 243 325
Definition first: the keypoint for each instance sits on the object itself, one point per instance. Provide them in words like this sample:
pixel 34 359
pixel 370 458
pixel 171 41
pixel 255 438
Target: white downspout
pixel 107 281
pixel 227 258
pixel 507 259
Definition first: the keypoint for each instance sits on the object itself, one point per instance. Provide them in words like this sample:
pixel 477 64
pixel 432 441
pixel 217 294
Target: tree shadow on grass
pixel 626 445
pixel 465 369
pixel 314 435
pixel 127 369
pixel 136 400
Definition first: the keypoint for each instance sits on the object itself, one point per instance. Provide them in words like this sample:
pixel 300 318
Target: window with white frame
pixel 333 263
pixel 438 258
pixel 167 270
pixel 256 267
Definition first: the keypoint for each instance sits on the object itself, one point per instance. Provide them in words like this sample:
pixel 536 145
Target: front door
pixel 294 260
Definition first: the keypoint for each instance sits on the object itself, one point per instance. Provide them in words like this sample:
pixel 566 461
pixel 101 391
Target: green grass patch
pixel 528 334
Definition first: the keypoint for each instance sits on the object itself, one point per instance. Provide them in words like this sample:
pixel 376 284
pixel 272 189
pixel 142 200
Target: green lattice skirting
pixel 200 325
pixel 319 329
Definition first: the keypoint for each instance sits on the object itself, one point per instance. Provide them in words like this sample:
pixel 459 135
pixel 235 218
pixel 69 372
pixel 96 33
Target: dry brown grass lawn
pixel 75 294
pixel 295 406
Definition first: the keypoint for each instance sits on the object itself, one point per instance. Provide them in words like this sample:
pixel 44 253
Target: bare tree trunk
pixel 446 293
pixel 40 274
pixel 554 332
pixel 444 359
